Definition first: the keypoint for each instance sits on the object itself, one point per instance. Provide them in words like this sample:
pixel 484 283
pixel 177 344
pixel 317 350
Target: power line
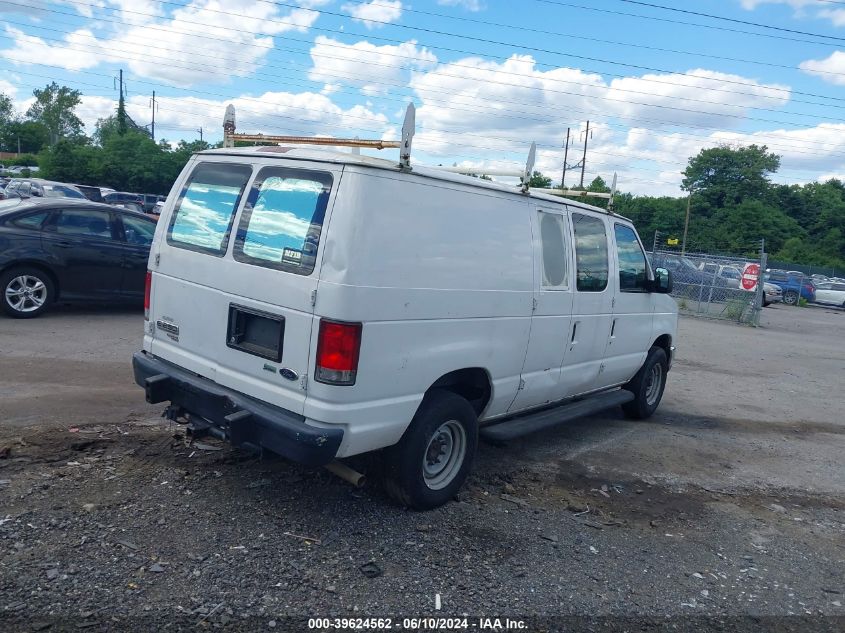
pixel 604 98
pixel 371 36
pixel 570 35
pixel 734 20
pixel 336 44
pixel 697 24
pixel 424 134
pixel 498 72
pixel 708 140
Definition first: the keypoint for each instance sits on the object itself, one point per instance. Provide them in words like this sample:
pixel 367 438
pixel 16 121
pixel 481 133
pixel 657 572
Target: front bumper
pixel 242 419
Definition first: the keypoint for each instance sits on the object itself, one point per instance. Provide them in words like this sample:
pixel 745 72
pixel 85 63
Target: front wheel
pixel 790 297
pixel 433 458
pixel 27 292
pixel 647 386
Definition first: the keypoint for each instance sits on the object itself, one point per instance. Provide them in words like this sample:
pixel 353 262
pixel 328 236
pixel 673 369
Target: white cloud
pixel 8 88
pixel 751 5
pixel 298 114
pixel 469 5
pixel 821 9
pixel 365 65
pixel 375 14
pixel 831 69
pixel 517 102
pixel 195 43
pixel 79 51
pixel 635 97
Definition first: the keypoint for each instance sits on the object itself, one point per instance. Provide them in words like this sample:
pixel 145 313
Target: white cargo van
pixel 321 304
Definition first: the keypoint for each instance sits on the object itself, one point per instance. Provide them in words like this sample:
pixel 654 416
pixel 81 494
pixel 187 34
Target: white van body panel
pixel 194 291
pixel 550 322
pixel 441 276
pixel 443 271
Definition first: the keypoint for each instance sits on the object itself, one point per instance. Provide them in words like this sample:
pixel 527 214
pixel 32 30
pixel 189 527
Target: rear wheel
pixel 790 297
pixel 647 386
pixel 27 292
pixel 433 458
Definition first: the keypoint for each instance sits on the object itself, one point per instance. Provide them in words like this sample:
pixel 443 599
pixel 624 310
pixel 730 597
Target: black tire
pixel 404 471
pixel 790 298
pixel 37 286
pixel 646 400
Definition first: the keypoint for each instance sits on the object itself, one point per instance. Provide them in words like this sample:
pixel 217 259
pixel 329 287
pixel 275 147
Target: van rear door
pixel 235 270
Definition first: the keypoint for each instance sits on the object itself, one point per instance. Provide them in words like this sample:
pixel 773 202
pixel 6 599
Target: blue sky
pixel 487 76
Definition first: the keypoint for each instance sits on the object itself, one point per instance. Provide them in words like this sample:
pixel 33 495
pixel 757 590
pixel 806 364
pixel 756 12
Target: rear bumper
pixel 244 420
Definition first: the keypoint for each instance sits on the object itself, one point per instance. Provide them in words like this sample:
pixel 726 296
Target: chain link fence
pixel 712 285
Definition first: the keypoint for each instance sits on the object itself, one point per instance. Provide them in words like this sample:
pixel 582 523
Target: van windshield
pixel 283 218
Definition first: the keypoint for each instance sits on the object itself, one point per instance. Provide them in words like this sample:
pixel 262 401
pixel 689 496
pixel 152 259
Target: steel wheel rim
pixel 26 293
pixel 655 383
pixel 444 455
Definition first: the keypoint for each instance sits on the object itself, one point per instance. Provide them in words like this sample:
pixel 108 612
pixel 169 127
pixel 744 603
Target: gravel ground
pixel 722 512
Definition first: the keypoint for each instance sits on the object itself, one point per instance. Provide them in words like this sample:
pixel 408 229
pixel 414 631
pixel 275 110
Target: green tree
pixel 104 129
pixel 54 108
pixel 724 175
pixel 29 136
pixel 7 111
pixel 122 125
pixel 539 181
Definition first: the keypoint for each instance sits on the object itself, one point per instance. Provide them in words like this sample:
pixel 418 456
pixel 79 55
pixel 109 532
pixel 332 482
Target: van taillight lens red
pixel 148 284
pixel 338 346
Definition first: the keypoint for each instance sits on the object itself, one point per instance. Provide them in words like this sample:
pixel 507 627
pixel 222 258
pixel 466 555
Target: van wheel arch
pixel 664 342
pixel 473 384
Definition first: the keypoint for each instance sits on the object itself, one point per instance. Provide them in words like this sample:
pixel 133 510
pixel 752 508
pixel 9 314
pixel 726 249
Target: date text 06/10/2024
pixel 416 624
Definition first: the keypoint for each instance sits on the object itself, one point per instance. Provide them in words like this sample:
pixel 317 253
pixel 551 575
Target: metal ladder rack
pixel 230 137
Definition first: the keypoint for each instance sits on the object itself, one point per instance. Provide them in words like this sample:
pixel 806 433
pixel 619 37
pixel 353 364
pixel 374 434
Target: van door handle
pixel 572 341
pixel 64 245
pixel 613 329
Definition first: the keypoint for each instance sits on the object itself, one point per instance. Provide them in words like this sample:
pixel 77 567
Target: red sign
pixel 750 275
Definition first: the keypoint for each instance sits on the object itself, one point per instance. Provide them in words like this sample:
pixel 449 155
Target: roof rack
pixel 581 193
pixel 230 137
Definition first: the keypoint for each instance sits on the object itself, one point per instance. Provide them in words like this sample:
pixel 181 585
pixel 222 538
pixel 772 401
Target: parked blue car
pixel 794 285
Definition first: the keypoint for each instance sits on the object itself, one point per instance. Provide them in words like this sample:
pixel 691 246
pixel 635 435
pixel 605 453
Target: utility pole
pixel 565 156
pixel 686 226
pixel 19 146
pixel 584 159
pixel 200 131
pixel 153 124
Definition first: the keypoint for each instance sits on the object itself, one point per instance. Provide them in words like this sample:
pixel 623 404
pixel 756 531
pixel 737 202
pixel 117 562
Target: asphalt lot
pixel 728 504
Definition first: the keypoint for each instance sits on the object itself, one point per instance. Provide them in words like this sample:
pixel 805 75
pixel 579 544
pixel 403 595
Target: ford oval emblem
pixel 288 373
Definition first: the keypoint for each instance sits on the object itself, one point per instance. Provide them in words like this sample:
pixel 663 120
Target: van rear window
pixel 202 220
pixel 282 220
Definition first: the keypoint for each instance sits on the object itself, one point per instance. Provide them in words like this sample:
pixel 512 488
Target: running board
pixel 551 418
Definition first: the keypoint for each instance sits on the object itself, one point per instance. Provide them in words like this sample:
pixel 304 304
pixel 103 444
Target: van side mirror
pixel 662 281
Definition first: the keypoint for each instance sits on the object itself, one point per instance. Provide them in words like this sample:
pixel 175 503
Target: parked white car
pixel 831 293
pixel 321 305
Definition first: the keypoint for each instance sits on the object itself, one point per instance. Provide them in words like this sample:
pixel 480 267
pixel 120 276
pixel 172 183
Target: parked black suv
pixel 70 250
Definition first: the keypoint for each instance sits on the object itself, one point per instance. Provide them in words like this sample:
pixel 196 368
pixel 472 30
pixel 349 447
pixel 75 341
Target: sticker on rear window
pixel 291 255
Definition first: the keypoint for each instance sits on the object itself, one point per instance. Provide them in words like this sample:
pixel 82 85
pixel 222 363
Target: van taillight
pixel 148 284
pixel 338 346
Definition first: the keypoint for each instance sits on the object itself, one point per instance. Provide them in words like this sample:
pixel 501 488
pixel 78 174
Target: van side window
pixel 633 272
pixel 203 216
pixel 281 223
pixel 590 253
pixel 552 231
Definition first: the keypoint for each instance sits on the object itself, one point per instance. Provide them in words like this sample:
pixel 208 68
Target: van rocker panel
pixel 244 420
